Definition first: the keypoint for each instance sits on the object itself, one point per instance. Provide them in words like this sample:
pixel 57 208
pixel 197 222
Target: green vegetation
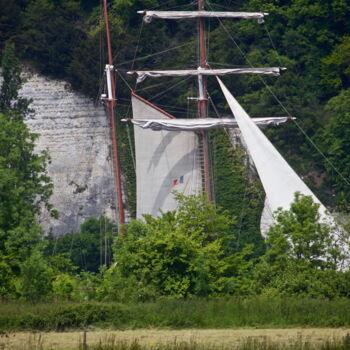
pixel 187 254
pixel 302 256
pixel 234 179
pixel 177 314
pixel 179 254
pixel 24 190
pixel 88 249
pixel 198 251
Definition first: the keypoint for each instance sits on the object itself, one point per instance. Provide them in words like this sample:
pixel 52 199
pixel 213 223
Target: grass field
pixel 257 339
pixel 177 314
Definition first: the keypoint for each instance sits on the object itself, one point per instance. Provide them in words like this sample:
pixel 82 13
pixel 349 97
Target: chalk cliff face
pixel 76 134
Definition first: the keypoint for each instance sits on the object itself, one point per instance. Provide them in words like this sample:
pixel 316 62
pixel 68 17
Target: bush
pixel 35 278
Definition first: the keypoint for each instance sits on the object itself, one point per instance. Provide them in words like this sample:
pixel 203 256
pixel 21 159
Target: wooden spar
pixel 203 103
pixel 111 103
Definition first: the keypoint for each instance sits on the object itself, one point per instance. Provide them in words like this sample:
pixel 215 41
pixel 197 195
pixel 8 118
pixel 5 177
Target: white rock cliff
pixel 76 134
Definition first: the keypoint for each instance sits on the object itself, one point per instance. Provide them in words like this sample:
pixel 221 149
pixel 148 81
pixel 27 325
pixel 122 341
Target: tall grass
pixel 199 313
pixel 111 343
pixel 248 344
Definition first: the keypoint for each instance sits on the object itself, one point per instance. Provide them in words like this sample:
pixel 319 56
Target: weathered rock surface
pixel 76 134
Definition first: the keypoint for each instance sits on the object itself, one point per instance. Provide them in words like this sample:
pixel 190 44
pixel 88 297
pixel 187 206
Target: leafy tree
pixel 60 263
pixel 179 254
pixel 337 66
pixel 299 235
pixel 301 255
pixel 86 250
pixel 337 141
pixel 25 187
pixel 10 101
pixel 50 34
pixel 64 286
pixel 7 287
pixel 35 278
pixel 9 21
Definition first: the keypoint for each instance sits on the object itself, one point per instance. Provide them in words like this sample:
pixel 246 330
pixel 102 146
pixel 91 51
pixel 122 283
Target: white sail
pixel 143 74
pixel 201 14
pixel 165 161
pixel 279 180
pixel 199 124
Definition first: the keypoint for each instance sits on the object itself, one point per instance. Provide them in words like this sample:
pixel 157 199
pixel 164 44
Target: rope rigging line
pixel 130 146
pixel 137 46
pixel 152 86
pixel 100 222
pixel 221 6
pixel 283 106
pixel 213 105
pixel 54 246
pixel 106 241
pixel 170 88
pixel 124 80
pixel 154 54
pixel 226 64
pixel 167 107
pixel 130 88
pixel 273 44
pixel 175 7
pixel 101 58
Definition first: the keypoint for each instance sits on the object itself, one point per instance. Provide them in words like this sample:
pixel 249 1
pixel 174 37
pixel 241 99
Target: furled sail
pixel 201 14
pixel 199 124
pixel 142 75
pixel 278 179
pixel 165 161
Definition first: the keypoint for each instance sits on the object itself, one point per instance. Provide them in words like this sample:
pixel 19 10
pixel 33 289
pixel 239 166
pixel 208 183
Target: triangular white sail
pixel 199 123
pixel 279 180
pixel 165 161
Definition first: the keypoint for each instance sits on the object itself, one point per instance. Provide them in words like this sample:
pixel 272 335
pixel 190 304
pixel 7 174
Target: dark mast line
pixel 111 103
pixel 203 102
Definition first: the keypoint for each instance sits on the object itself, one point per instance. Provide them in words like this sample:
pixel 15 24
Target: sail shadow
pixel 184 165
pixel 158 153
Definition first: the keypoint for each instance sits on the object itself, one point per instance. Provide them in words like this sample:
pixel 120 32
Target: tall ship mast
pixel 111 104
pixel 203 102
pixel 177 158
pixel 172 154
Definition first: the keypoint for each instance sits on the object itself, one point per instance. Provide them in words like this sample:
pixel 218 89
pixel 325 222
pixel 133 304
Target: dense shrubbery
pixel 198 313
pixel 187 254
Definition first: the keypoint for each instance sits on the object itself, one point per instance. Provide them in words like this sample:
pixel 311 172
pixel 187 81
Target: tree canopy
pixel 25 187
pixel 179 254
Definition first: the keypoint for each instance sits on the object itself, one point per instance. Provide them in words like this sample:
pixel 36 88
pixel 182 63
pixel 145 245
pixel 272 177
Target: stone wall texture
pixel 77 136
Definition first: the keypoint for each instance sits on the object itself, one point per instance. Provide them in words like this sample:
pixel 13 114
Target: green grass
pixel 200 313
